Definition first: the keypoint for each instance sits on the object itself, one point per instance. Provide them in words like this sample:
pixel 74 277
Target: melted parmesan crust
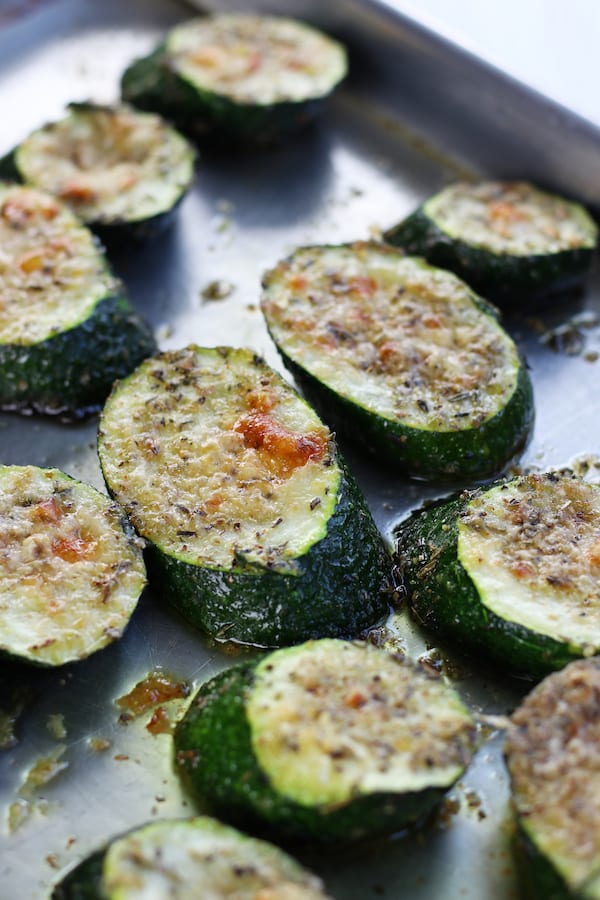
pixel 332 720
pixel 51 272
pixel 553 755
pixel 109 164
pixel 532 547
pixel 69 576
pixel 218 461
pixel 390 333
pixel 256 60
pixel 186 860
pixel 511 217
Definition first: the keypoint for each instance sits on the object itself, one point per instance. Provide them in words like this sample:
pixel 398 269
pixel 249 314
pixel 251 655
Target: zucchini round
pixel 508 240
pixel 511 570
pixel 238 76
pixel 67 330
pixel 553 759
pixel 258 533
pixel 328 740
pixel 71 568
pixel 185 859
pixel 401 357
pixel 122 172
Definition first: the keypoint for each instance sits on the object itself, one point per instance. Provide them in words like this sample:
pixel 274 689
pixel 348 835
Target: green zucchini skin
pixel 451 455
pixel 445 600
pixel 461 454
pixel 216 761
pixel 340 585
pixel 504 278
pixel 84 882
pixel 153 84
pixel 71 373
pixel 539 880
pixel 343 586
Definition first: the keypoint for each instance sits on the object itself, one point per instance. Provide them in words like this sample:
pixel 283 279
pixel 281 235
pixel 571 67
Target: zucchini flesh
pixel 71 569
pixel 401 356
pixel 238 76
pixel 67 329
pixel 508 240
pixel 187 859
pixel 329 739
pixel 512 570
pixel 552 757
pixel 112 166
pixel 256 527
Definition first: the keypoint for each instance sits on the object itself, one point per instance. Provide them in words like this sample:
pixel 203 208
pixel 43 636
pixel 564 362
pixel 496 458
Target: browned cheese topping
pixel 553 755
pixel 51 273
pixel 256 59
pixel 532 546
pixel 511 217
pixel 214 456
pixel 391 333
pixel 332 720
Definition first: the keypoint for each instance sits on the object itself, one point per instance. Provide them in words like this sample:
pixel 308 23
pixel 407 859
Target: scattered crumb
pixel 160 798
pixel 72 840
pixel 18 813
pixel 98 745
pixel 449 807
pixel 120 757
pixel 43 771
pixel 251 307
pixel 567 339
pixel 56 726
pixel 155 689
pixel 218 290
pixel 163 332
pixel 52 861
pixel 375 232
pixel 591 356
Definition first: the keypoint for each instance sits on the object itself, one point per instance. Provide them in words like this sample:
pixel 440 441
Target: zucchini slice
pixel 401 357
pixel 328 740
pixel 71 568
pixel 552 753
pixel 508 240
pixel 122 172
pixel 512 570
pixel 67 330
pixel 189 859
pixel 238 76
pixel 258 532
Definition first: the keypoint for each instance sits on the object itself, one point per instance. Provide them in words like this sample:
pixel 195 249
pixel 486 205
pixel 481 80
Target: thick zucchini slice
pixel 122 172
pixel 508 240
pixel 553 757
pixel 328 740
pixel 258 532
pixel 71 567
pixel 189 859
pixel 238 76
pixel 401 357
pixel 512 570
pixel 67 330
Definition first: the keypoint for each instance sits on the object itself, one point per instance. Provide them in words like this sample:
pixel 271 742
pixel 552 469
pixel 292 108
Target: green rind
pixel 151 84
pixel 454 455
pixel 538 879
pixel 214 757
pixel 343 585
pixel 504 278
pixel 84 882
pixel 72 372
pixel 444 599
pixel 8 168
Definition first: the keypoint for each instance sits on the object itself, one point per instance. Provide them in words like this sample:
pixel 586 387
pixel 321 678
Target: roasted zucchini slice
pixel 238 76
pixel 512 570
pixel 553 757
pixel 258 532
pixel 329 740
pixel 189 859
pixel 401 357
pixel 71 567
pixel 67 330
pixel 121 171
pixel 508 240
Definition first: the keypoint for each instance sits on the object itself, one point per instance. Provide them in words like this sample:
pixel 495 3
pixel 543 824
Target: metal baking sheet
pixel 416 113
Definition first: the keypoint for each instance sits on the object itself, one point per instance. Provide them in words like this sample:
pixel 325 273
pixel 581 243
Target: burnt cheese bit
pixel 281 449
